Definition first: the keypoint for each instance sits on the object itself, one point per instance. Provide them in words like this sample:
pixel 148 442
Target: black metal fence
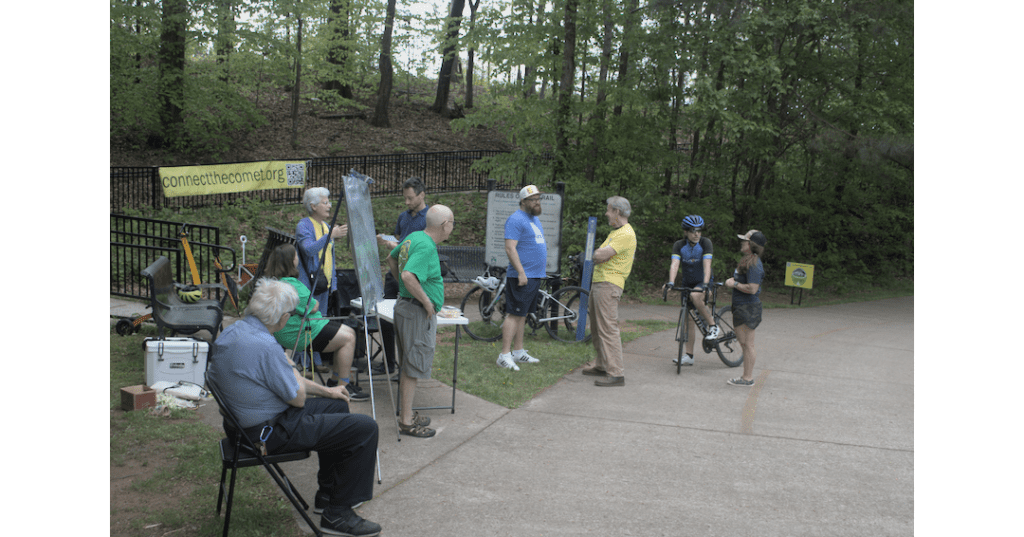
pixel 139 187
pixel 136 242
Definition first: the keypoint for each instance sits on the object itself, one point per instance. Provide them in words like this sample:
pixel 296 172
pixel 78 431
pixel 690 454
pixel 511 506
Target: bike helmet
pixel 190 294
pixel 692 221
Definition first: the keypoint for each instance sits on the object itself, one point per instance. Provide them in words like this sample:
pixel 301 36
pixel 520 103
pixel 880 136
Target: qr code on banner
pixel 296 174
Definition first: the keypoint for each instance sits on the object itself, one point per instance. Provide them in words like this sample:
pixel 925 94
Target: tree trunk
pixel 473 5
pixel 565 86
pixel 224 44
pixel 444 78
pixel 337 54
pixel 298 83
pixel 380 113
pixel 597 141
pixel 628 33
pixel 174 22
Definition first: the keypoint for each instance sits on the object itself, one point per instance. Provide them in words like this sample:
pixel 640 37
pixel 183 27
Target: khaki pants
pixel 604 316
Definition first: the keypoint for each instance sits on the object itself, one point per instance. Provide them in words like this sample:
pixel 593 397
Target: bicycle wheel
pixel 727 346
pixel 567 302
pixel 483 325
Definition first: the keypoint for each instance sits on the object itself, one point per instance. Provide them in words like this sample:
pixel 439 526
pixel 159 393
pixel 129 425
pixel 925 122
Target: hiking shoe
pixel 738 381
pixel 347 523
pixel 713 333
pixel 524 358
pixel 355 393
pixel 506 361
pixel 594 371
pixel 687 359
pixel 419 431
pixel 610 381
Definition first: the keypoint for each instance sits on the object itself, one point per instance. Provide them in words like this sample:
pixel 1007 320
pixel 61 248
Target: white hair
pixel 271 300
pixel 620 204
pixel 313 196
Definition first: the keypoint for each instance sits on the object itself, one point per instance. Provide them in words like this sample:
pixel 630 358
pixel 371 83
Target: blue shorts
pixel 521 301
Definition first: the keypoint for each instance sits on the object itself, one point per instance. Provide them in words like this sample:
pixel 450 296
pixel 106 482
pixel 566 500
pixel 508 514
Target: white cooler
pixel 176 359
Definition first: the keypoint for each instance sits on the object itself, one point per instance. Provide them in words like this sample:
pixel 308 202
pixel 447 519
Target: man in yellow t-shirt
pixel 613 262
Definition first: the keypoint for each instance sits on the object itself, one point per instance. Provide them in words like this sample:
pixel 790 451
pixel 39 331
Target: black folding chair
pixel 239 451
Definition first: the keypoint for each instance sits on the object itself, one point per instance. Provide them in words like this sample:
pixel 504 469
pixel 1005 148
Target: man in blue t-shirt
pixel 414 194
pixel 692 255
pixel 527 260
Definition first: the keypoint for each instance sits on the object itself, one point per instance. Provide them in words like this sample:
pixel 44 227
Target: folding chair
pixel 238 451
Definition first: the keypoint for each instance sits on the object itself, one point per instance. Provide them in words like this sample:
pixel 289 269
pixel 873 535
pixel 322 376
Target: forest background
pixel 794 117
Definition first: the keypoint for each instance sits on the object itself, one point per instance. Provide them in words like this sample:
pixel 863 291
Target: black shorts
pixel 748 314
pixel 521 301
pixel 326 335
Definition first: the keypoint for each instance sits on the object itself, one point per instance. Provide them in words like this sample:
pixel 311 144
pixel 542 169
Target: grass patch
pixel 480 376
pixel 169 468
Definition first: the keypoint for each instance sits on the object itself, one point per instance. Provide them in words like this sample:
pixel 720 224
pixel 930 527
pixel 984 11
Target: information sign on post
pixel 799 276
pixel 500 205
pixel 588 273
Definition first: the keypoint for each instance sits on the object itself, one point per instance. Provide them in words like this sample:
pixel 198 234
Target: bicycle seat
pixel 490 282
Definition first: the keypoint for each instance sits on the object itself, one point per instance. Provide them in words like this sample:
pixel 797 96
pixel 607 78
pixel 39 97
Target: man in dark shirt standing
pixel 412 219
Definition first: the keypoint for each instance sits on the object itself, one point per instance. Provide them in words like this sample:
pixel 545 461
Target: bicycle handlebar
pixel 673 287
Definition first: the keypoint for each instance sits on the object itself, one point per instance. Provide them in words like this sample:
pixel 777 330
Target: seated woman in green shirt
pixel 322 335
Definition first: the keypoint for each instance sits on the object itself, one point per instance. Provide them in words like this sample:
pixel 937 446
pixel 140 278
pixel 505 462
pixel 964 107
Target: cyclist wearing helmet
pixel 693 255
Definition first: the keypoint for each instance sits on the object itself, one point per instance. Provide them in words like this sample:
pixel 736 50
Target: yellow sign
pixel 226 178
pixel 800 275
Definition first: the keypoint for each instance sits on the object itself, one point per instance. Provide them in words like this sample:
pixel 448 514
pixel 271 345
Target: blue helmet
pixel 693 221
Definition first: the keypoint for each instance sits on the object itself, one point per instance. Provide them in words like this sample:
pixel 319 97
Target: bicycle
pixel 723 345
pixel 557 312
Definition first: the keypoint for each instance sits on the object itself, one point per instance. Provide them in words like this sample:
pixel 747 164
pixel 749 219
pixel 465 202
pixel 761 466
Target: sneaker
pixel 346 522
pixel 505 360
pixel 738 381
pixel 687 359
pixel 713 333
pixel 355 393
pixel 323 500
pixel 524 358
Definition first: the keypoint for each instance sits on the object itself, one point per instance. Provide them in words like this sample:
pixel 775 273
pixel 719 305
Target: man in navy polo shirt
pixel 527 259
pixel 412 219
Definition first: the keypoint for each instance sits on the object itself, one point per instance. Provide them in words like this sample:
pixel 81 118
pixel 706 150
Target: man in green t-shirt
pixel 416 266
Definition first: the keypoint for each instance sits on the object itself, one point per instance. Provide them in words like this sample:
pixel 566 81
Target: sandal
pixel 422 421
pixel 416 430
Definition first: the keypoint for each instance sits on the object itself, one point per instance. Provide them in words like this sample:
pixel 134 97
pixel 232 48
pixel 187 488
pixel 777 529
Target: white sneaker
pixel 524 358
pixel 713 333
pixel 687 360
pixel 505 360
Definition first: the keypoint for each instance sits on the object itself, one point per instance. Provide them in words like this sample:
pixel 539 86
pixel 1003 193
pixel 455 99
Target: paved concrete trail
pixel 822 445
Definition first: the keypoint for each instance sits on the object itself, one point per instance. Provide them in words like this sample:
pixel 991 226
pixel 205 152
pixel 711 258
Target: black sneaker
pixel 346 522
pixel 355 393
pixel 323 500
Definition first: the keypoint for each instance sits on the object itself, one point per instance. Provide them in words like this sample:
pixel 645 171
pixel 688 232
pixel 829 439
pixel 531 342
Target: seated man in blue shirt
pixel 257 380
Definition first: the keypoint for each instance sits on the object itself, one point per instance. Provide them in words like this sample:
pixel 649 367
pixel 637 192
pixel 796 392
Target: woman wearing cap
pixel 746 304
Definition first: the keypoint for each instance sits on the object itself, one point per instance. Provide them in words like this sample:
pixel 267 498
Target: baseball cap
pixel 755 237
pixel 528 190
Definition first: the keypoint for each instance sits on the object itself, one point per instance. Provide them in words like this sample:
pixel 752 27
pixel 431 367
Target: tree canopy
pixel 795 117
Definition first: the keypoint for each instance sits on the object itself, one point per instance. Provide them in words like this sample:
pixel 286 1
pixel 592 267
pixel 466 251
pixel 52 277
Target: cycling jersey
pixel 691 260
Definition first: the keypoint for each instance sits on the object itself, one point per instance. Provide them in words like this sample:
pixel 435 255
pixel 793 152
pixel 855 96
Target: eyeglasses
pixel 694 230
pixel 452 222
